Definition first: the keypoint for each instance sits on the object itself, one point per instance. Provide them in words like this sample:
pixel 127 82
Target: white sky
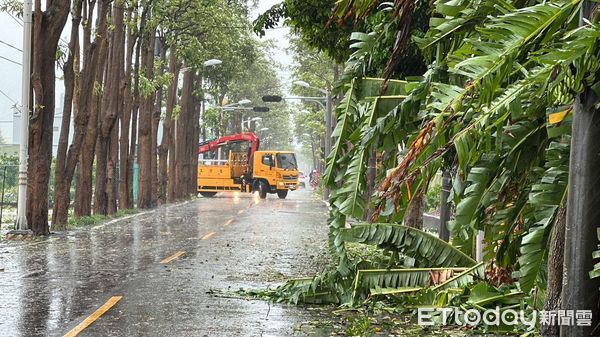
pixel 10 73
pixel 279 35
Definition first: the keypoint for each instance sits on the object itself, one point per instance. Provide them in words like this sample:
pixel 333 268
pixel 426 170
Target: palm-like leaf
pixel 427 249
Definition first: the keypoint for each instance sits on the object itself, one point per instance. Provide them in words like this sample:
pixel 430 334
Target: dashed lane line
pixel 172 257
pixel 208 236
pixel 228 223
pixel 93 317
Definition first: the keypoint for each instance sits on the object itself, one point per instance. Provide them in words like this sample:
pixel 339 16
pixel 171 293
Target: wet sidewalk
pixel 162 263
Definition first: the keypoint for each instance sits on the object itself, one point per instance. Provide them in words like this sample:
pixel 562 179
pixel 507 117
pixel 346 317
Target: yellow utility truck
pixel 233 163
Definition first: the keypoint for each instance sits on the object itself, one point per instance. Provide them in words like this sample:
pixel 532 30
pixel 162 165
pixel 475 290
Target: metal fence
pixel 9 186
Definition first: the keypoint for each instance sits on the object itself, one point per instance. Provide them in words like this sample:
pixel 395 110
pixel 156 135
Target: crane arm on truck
pixel 214 144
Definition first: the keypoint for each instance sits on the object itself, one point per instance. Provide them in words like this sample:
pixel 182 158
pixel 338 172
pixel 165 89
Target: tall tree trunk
pixel 110 111
pixel 192 145
pixel 145 126
pixel 47 28
pixel 182 159
pixel 555 270
pixel 62 197
pixel 165 150
pixel 85 167
pixel 583 207
pixel 155 123
pixel 445 205
pixel 125 163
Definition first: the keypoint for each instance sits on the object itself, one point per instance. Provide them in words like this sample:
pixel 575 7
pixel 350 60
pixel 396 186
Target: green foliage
pixel 502 70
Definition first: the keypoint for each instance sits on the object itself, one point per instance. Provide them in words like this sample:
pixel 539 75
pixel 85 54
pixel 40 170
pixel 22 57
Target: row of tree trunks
pixel 104 105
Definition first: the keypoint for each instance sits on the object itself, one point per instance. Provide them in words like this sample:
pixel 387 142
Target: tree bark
pixel 444 233
pixel 182 158
pixel 62 197
pixel 414 213
pixel 555 270
pixel 165 150
pixel 110 111
pixel 145 127
pixel 155 123
pixel 583 208
pixel 83 190
pixel 47 28
pixel 125 156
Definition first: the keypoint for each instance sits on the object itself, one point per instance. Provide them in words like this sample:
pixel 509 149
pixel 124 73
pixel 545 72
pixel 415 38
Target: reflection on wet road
pixel 163 263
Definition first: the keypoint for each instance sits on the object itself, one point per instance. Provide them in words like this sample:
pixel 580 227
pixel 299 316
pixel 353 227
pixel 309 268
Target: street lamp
pixel 212 63
pixel 206 64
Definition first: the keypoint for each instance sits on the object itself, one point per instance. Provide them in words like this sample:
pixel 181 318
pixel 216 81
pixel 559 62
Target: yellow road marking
pixel 240 211
pixel 93 317
pixel 228 222
pixel 208 236
pixel 172 257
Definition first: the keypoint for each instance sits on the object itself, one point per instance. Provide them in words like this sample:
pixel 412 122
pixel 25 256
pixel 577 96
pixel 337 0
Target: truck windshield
pixel 287 161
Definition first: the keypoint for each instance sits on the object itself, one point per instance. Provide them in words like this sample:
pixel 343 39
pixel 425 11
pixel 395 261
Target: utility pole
pixel 579 292
pixel 21 221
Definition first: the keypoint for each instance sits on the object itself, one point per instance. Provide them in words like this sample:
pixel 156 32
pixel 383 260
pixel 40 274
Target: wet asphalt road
pixel 229 242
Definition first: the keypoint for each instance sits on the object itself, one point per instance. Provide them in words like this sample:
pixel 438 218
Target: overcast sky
pixel 11 34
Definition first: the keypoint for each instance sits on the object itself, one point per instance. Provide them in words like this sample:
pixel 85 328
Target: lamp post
pixel 21 220
pixel 209 63
pixel 328 122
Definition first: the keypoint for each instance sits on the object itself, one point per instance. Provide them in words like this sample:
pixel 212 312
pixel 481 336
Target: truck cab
pixel 275 172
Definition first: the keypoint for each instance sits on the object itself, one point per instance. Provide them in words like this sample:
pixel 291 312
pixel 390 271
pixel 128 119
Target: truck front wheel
pixel 282 194
pixel 208 194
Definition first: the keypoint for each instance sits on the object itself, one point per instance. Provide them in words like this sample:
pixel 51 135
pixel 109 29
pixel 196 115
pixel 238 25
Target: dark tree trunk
pixel 555 270
pixel 62 197
pixel 145 127
pixel 85 167
pixel 444 233
pixel 165 150
pixel 414 213
pixel 192 145
pixel 125 163
pixel 182 158
pixel 47 28
pixel 155 123
pixel 583 208
pixel 110 111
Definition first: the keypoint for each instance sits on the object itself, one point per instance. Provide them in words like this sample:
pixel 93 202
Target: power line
pixel 9 60
pixel 16 20
pixel 10 45
pixel 10 99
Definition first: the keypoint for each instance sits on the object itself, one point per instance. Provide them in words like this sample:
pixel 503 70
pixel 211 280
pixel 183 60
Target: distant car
pixel 301 179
